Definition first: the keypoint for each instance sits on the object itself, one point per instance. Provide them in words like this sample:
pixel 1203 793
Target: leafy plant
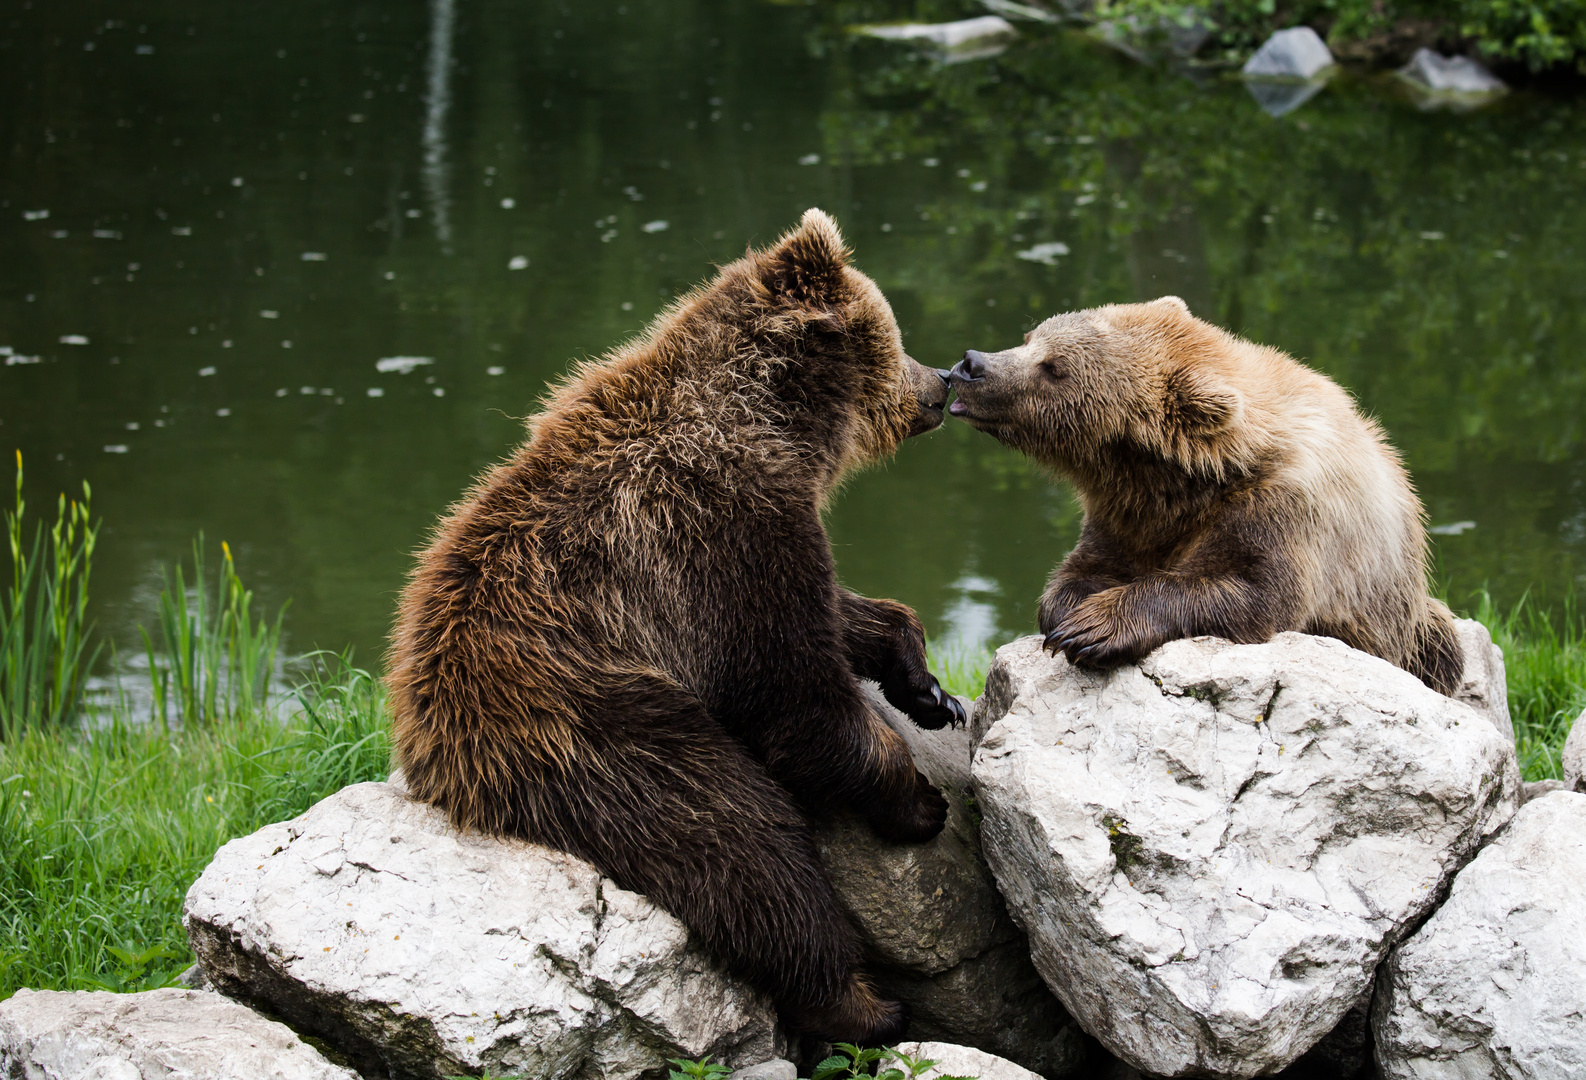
pixel 214 659
pixel 44 627
pixel 703 1069
pixel 852 1061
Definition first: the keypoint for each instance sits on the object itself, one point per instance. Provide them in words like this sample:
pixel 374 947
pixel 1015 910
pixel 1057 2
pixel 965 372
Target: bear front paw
pixel 1090 635
pixel 924 701
pixel 915 818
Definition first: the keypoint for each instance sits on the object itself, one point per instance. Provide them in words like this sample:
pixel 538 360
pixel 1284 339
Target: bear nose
pixel 971 367
pixel 943 374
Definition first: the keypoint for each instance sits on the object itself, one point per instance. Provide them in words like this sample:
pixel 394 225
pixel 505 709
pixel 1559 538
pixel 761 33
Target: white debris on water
pixel 508 204
pixel 222 412
pixel 1047 253
pixel 118 448
pixel 1454 529
pixel 269 314
pixel 13 359
pixel 182 230
pixel 35 215
pixel 495 371
pixel 655 226
pixel 73 339
pixel 518 262
pixel 402 365
pixel 376 391
pixel 205 371
pixel 314 256
pixel 810 159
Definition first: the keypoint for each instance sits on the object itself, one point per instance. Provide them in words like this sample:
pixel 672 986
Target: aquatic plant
pixel 45 655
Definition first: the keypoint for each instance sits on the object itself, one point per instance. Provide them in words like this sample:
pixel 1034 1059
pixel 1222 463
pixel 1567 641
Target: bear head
pixel 1117 385
pixel 845 387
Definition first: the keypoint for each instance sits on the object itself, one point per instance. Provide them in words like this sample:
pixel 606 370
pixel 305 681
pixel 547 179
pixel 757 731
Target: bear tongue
pixel 958 408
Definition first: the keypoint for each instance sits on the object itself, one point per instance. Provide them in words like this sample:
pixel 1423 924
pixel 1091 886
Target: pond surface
pixel 216 222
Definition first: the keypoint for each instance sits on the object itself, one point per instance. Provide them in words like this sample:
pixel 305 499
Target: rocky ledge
pixel 1211 851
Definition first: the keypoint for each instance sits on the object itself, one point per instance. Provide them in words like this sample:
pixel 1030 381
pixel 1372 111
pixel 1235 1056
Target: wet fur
pixel 627 642
pixel 1228 490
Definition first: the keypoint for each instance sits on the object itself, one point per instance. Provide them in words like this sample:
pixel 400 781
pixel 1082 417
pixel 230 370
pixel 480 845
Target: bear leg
pixel 679 811
pixel 885 643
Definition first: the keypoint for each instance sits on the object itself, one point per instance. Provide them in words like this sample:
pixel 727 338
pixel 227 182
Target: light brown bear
pixel 1227 489
pixel 628 641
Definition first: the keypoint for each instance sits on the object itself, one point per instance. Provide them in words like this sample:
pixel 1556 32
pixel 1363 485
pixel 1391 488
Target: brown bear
pixel 1227 489
pixel 628 642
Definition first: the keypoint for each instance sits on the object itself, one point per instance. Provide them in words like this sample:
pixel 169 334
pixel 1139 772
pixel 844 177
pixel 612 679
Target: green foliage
pixel 44 627
pixel 1544 655
pixel 703 1069
pixel 1539 33
pixel 884 1063
pixel 214 660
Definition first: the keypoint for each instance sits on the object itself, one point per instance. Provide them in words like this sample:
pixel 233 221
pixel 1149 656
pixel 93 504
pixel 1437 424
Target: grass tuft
pixel 1544 656
pixel 960 668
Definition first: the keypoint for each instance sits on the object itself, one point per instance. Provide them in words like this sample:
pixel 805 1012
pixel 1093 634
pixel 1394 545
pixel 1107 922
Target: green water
pixel 249 206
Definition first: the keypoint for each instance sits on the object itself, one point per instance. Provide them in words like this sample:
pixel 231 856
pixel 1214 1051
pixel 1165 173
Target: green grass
pixel 960 669
pixel 103 831
pixel 1544 655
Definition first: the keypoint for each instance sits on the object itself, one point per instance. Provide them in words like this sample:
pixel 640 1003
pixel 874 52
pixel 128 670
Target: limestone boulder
pixel 1575 756
pixel 1483 685
pixel 1494 984
pixel 419 952
pixel 1450 74
pixel 1297 54
pixel 1212 850
pixel 953 1060
pixel 965 39
pixel 182 1034
pixel 939 933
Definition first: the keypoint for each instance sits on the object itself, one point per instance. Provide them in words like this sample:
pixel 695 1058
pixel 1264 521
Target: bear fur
pixel 628 643
pixel 1228 490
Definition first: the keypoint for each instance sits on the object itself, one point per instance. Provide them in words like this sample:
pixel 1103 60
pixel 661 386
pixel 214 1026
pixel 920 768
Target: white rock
pixel 1494 984
pixel 1451 74
pixel 1212 850
pixel 982 36
pixel 938 931
pixel 775 1069
pixel 1575 755
pixel 416 950
pixel 1297 53
pixel 954 1060
pixel 1484 684
pixel 182 1034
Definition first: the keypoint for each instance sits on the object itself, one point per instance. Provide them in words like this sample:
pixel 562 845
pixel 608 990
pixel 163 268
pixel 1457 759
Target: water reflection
pixel 1429 262
pixel 437 101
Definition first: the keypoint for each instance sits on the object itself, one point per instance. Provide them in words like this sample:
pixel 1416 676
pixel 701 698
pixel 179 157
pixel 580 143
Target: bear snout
pixel 971 368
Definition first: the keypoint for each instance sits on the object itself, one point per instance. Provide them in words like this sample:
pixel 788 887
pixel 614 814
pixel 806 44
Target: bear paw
pixel 929 706
pixel 1090 635
pixel 915 818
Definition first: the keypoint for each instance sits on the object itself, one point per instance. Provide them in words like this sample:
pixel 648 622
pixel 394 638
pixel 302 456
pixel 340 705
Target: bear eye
pixel 1053 370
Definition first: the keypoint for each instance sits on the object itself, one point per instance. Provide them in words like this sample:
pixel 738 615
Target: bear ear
pixel 806 265
pixel 1200 403
pixel 1173 302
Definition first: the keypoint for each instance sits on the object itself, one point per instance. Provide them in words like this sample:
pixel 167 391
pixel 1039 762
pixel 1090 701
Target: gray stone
pixel 775 1069
pixel 1535 789
pixel 1212 850
pixel 1451 74
pixel 1575 755
pixel 954 1060
pixel 417 951
pixel 1149 40
pixel 939 932
pixel 965 39
pixel 1484 685
pixel 1494 984
pixel 1298 53
pixel 193 979
pixel 180 1034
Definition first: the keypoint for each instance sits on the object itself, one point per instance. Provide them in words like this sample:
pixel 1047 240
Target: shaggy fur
pixel 1228 490
pixel 628 641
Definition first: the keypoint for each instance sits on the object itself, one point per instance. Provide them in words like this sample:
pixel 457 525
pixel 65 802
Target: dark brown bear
pixel 1228 490
pixel 628 642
